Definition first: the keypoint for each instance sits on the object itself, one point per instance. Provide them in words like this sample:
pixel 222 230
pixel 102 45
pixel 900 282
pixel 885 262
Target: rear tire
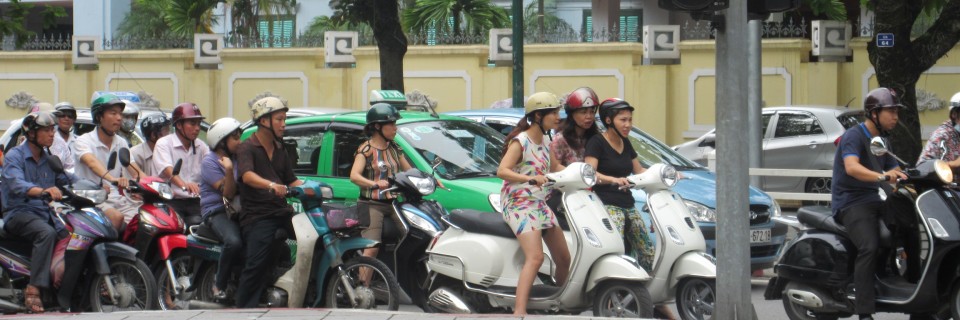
pixel 696 298
pixel 619 299
pixel 955 301
pixel 134 283
pixel 383 292
pixel 797 312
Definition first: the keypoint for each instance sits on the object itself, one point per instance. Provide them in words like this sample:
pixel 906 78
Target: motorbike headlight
pixel 943 171
pixel 424 185
pixel 98 196
pixel 494 199
pixel 775 210
pixel 589 174
pixel 421 223
pixel 163 190
pixel 701 212
pixel 669 175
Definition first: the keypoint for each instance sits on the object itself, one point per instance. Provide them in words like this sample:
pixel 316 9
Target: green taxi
pixel 323 147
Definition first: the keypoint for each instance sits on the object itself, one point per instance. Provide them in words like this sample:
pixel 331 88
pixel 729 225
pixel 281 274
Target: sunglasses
pixel 68 115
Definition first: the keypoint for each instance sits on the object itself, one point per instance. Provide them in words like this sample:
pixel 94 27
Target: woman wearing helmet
pixel 377 160
pixel 568 145
pixel 152 128
pixel 218 188
pixel 26 176
pixel 944 143
pixel 265 171
pixel 523 167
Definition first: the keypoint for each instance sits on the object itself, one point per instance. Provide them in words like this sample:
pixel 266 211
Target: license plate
pixel 760 236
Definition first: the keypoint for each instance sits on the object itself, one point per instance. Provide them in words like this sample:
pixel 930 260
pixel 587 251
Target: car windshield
pixel 466 148
pixel 651 151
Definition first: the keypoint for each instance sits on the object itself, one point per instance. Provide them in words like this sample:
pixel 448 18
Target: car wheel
pixel 817 185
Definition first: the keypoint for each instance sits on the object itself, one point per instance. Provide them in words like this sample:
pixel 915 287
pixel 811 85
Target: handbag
pixel 230 210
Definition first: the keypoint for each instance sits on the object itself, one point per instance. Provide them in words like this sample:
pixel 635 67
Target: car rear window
pixel 848 120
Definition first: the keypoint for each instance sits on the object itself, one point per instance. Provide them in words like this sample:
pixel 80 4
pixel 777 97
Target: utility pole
pixel 517 42
pixel 755 97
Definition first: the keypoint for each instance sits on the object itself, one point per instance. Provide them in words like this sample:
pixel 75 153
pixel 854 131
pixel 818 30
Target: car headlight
pixel 589 174
pixel 494 199
pixel 421 223
pixel 163 189
pixel 424 185
pixel 775 210
pixel 669 175
pixel 701 212
pixel 98 196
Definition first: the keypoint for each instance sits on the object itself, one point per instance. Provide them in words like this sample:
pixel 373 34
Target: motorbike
pixel 325 265
pixel 475 263
pixel 157 232
pixel 91 270
pixel 814 275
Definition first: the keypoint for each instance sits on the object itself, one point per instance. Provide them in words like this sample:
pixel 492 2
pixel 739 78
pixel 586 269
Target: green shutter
pixel 588 26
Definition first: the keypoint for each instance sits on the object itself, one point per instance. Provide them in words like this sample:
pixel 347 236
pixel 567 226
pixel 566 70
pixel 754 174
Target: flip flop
pixel 32 300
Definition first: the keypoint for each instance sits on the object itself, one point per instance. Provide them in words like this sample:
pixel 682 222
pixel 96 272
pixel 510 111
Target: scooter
pixel 157 232
pixel 682 269
pixel 475 263
pixel 91 270
pixel 325 267
pixel 815 271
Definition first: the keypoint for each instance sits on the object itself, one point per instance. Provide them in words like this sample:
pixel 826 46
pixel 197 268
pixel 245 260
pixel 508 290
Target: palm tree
pixel 539 24
pixel 321 24
pixel 186 17
pixel 473 16
pixel 246 14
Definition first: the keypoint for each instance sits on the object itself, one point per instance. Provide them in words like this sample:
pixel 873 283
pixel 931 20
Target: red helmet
pixel 186 110
pixel 582 97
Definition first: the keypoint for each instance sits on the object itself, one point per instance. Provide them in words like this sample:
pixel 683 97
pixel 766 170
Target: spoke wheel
pixel 169 299
pixel 135 287
pixel 382 293
pixel 622 300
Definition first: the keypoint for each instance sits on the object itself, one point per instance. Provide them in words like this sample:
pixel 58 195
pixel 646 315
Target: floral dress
pixel 524 205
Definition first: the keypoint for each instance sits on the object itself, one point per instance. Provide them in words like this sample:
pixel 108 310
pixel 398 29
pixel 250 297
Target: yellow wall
pixel 459 77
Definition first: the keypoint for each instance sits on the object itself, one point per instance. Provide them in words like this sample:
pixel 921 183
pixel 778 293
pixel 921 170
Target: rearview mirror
pixel 878 146
pixel 55 164
pixel 124 156
pixel 176 167
pixel 112 162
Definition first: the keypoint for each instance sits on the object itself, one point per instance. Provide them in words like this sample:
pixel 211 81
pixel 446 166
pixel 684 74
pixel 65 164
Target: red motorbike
pixel 157 232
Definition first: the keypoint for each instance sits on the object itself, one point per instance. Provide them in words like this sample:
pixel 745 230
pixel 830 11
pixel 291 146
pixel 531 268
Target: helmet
pixel 36 120
pixel 881 98
pixel 382 112
pixel 186 110
pixel 265 106
pixel 582 97
pixel 221 129
pixel 65 107
pixel 541 101
pixel 102 102
pixel 43 106
pixel 131 108
pixel 955 101
pixel 611 106
pixel 152 124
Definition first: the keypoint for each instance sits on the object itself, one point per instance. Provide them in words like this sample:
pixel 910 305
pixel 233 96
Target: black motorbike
pixel 814 276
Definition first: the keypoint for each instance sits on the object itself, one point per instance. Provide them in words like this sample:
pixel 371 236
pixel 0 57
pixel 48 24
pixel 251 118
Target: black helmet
pixel 382 112
pixel 102 102
pixel 152 124
pixel 610 107
pixel 881 98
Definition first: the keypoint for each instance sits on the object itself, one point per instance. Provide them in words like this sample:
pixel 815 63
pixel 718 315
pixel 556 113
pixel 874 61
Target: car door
pixel 796 142
pixel 340 145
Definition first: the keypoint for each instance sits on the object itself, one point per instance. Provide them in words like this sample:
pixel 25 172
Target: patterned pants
pixel 635 238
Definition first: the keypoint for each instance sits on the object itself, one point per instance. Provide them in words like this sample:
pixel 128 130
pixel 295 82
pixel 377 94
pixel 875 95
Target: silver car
pixel 794 137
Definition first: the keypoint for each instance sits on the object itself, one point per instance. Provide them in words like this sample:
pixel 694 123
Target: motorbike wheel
pixel 622 300
pixel 134 283
pixel 382 293
pixel 168 299
pixel 797 312
pixel 696 298
pixel 955 301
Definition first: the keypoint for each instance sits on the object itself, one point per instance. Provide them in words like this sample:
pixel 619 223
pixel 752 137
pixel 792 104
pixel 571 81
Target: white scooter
pixel 475 264
pixel 681 267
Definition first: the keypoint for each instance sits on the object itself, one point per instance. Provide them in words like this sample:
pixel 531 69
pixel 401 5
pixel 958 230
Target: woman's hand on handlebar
pixel 538 180
pixel 279 190
pixel 381 184
pixel 622 182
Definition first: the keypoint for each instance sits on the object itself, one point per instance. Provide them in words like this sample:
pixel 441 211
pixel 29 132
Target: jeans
pixel 862 223
pixel 188 209
pixel 229 233
pixel 259 240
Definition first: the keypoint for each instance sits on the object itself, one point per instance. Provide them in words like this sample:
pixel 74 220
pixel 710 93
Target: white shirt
pixel 169 149
pixel 143 157
pixel 66 150
pixel 89 143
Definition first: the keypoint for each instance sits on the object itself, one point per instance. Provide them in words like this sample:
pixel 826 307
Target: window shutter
pixel 588 26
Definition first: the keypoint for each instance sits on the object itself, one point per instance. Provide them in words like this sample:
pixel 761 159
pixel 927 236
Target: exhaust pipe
pixel 448 302
pixel 10 306
pixel 205 305
pixel 805 298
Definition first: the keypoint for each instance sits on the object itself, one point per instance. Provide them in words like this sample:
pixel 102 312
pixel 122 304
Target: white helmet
pixel 955 101
pixel 130 110
pixel 221 129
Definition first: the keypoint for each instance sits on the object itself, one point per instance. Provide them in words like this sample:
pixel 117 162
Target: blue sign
pixel 885 40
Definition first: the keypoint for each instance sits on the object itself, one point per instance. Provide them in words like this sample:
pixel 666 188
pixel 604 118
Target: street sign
pixel 885 40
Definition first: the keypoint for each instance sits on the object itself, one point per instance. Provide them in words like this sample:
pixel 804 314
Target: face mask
pixel 956 127
pixel 128 124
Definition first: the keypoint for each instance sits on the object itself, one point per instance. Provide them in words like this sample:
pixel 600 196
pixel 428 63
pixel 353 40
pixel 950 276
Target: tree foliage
pixel 186 17
pixel 383 16
pixel 13 20
pixel 472 16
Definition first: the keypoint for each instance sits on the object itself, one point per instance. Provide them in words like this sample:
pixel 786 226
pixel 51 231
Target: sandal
pixel 32 300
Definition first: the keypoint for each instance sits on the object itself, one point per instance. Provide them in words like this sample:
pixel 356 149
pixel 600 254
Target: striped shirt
pixel 381 164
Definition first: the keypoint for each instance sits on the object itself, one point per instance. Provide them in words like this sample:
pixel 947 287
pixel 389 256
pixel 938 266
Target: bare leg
pixel 366 273
pixel 559 252
pixel 532 244
pixel 115 217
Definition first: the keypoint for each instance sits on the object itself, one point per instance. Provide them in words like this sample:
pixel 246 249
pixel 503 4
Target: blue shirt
pixel 21 172
pixel 847 191
pixel 211 171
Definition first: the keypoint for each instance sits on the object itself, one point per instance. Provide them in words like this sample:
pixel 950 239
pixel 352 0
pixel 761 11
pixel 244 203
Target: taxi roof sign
pixel 122 95
pixel 393 97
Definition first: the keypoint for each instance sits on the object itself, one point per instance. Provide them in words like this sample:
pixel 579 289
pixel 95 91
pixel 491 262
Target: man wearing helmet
pixel 131 113
pixel 59 147
pixel 153 127
pixel 183 145
pixel 944 143
pixel 265 173
pixel 27 175
pixel 857 175
pixel 219 188
pixel 93 150
pixel 66 116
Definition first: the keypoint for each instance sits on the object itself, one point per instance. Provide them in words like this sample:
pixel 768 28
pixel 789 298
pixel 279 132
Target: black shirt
pixel 263 203
pixel 613 164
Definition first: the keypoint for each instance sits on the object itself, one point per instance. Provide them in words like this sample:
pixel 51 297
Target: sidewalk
pixel 273 314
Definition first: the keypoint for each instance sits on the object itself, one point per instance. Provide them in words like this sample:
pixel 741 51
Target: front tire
pixel 696 298
pixel 622 300
pixel 383 292
pixel 955 301
pixel 135 286
pixel 797 312
pixel 817 185
pixel 168 299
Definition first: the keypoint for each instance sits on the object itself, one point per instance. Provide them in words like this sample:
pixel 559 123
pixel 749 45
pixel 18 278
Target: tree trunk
pixel 391 41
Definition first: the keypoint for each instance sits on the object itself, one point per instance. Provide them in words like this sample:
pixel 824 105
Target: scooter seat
pixel 476 221
pixel 204 232
pixel 820 217
pixel 3 232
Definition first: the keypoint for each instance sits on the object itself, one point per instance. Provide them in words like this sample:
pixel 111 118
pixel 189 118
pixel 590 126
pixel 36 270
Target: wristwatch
pixel 881 178
pixel 271 186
